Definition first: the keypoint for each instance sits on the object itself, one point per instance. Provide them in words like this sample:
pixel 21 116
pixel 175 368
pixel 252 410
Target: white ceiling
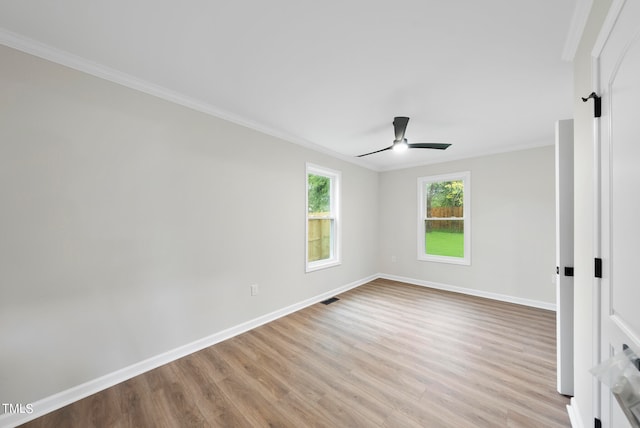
pixel 486 76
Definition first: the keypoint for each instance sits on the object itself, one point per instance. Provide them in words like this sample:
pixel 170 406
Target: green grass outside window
pixel 442 243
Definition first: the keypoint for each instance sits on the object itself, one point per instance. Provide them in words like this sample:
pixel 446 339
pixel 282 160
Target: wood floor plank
pixel 386 354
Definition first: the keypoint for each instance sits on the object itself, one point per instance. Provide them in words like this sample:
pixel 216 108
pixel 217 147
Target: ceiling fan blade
pixel 400 127
pixel 377 151
pixel 438 146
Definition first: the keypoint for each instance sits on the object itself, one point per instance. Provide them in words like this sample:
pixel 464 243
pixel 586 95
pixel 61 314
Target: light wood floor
pixel 386 354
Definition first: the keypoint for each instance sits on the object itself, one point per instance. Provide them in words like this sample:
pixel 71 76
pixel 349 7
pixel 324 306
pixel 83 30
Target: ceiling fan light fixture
pixel 400 146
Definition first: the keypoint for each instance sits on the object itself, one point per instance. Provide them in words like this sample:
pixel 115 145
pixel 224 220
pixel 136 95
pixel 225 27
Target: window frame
pixel 465 177
pixel 335 178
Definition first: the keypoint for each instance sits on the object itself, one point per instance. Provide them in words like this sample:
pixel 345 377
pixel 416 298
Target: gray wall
pixel 131 226
pixel 512 225
pixel 584 221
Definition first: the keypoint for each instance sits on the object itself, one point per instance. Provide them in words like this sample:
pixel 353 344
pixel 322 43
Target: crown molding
pixel 67 59
pixel 607 27
pixel 576 28
pixel 474 155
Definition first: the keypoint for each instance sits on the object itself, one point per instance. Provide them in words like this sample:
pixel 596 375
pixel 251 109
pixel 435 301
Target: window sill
pixel 324 264
pixel 444 259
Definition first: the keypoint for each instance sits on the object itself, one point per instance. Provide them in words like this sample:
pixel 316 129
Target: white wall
pixel 131 226
pixel 512 223
pixel 584 221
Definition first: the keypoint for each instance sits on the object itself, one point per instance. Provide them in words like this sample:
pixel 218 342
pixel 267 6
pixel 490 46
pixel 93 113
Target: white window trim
pixel 465 176
pixel 336 244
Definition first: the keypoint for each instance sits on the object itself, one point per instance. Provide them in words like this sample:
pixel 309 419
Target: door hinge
pixel 597 423
pixel 597 103
pixel 597 267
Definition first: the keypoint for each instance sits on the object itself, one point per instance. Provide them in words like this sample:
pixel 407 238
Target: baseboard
pixel 63 398
pixel 574 414
pixel 472 292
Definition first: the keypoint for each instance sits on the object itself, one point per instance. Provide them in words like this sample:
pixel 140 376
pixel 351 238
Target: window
pixel 444 226
pixel 323 218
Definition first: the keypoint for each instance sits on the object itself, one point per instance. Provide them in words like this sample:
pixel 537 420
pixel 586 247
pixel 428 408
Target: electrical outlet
pixel 394 259
pixel 254 289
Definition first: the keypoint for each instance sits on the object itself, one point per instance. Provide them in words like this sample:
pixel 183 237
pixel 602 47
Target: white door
pixel 617 53
pixel 564 255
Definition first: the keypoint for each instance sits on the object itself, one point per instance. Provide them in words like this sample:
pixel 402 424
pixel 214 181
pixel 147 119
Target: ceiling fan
pixel 400 143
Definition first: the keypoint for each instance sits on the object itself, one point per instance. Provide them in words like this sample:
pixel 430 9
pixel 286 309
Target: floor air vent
pixel 329 301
